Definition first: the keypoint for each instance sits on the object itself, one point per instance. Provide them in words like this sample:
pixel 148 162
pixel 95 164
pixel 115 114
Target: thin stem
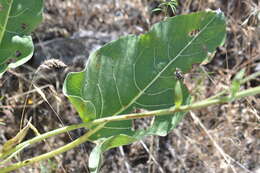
pixel 102 121
pixel 252 76
pixel 55 152
pixel 198 105
pixel 205 103
pixel 44 136
pixel 248 78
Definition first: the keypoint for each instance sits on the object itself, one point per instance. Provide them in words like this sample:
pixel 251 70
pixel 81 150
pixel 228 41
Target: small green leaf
pixel 178 94
pixel 156 9
pixel 173 8
pixel 18 18
pixel 95 158
pixel 236 82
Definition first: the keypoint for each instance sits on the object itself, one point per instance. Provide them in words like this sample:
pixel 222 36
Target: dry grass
pixel 217 139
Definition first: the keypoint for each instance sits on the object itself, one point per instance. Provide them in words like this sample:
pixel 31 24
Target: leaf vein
pixel 159 74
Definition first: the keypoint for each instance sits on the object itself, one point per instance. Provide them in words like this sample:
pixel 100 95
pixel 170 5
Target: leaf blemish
pixel 11 60
pixel 18 53
pixel 97 65
pixel 24 26
pixel 26 161
pixel 194 32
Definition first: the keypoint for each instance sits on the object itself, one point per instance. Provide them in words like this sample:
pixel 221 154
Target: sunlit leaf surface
pixel 138 72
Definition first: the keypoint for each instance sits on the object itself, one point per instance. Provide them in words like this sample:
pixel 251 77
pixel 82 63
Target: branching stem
pixel 55 152
pixel 102 121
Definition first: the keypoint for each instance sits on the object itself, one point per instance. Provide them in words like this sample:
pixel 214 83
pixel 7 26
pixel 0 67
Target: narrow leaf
pixel 156 9
pixel 178 95
pixel 236 82
pixel 8 145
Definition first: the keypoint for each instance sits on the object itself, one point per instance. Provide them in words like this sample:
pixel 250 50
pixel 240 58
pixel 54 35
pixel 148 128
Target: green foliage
pixel 236 82
pixel 95 158
pixel 165 5
pixel 177 89
pixel 178 94
pixel 138 72
pixel 18 18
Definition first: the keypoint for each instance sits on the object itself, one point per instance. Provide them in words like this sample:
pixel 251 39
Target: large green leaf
pixel 138 72
pixel 18 18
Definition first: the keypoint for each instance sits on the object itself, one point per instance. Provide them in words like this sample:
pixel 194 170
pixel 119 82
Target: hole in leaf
pixel 194 32
pixel 24 26
pixel 18 53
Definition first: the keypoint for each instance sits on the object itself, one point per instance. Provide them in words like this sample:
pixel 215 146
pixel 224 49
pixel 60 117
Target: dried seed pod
pixel 51 64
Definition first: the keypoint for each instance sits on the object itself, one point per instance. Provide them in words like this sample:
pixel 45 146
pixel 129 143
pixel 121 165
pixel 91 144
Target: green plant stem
pixel 102 121
pixel 246 79
pixel 44 136
pixel 55 152
pixel 198 105
pixel 252 76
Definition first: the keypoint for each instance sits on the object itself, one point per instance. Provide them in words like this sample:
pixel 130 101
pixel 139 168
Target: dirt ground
pixel 72 29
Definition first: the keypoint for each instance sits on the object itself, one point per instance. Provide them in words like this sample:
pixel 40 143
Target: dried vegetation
pixel 221 138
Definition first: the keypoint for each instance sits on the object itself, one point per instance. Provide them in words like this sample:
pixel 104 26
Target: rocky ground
pixel 74 28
